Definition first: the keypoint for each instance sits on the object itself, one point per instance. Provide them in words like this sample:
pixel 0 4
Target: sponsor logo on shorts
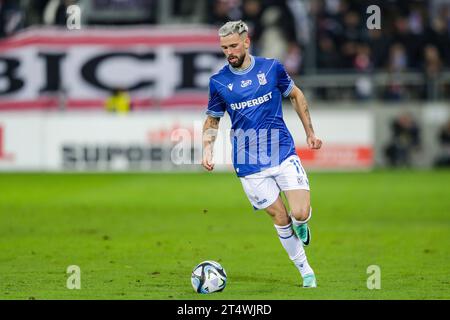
pixel 302 180
pixel 261 202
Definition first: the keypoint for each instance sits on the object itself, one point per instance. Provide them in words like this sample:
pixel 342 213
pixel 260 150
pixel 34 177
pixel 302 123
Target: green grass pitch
pixel 138 236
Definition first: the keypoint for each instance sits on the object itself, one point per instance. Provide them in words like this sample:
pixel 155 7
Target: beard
pixel 238 62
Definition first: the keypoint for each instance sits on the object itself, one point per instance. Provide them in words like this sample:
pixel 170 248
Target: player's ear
pixel 247 42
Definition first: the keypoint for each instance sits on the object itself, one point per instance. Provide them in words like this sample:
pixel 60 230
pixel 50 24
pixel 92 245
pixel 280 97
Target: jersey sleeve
pixel 216 104
pixel 285 83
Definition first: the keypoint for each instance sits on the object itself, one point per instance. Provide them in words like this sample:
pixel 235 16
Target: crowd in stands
pixel 405 140
pixel 309 37
pixel 405 145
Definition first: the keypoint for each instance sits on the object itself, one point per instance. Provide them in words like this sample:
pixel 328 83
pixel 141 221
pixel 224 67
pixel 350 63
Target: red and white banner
pixel 348 139
pixel 165 141
pixel 337 157
pixel 77 69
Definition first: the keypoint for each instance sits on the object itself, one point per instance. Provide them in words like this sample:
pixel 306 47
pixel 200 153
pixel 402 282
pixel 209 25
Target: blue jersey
pixel 252 98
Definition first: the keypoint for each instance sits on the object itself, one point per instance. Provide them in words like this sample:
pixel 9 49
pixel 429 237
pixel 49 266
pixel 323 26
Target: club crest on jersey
pixel 245 83
pixel 230 86
pixel 262 78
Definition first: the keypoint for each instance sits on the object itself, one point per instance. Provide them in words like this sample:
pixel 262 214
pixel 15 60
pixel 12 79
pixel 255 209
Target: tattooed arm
pixel 210 128
pixel 301 107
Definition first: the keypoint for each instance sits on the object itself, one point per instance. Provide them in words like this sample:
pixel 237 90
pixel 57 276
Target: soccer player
pixel 250 89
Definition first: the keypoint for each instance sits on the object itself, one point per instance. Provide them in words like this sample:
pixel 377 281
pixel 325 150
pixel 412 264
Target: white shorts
pixel 262 188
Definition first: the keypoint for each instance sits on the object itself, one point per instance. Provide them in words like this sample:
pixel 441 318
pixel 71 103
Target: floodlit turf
pixel 138 236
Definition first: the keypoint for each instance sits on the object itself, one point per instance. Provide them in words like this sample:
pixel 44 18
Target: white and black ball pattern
pixel 208 277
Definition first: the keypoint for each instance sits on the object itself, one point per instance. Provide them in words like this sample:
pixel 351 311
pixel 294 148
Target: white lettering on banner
pixel 252 102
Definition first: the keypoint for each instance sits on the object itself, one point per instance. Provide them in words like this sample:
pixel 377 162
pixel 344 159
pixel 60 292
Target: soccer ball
pixel 208 277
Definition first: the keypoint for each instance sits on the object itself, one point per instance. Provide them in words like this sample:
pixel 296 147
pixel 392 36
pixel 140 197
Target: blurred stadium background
pixel 379 97
pixel 121 92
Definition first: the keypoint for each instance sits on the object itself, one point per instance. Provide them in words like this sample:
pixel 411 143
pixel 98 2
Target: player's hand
pixel 207 161
pixel 314 142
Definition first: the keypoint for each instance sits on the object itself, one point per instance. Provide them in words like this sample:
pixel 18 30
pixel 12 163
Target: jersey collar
pixel 240 72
